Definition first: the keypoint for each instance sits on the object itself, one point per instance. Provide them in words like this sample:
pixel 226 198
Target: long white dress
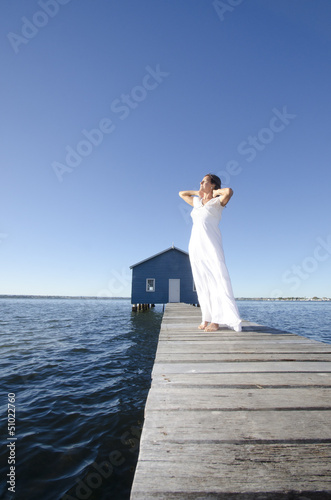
pixel 209 270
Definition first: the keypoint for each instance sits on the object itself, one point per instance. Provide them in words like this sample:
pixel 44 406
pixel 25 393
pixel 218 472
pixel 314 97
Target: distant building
pixel 162 278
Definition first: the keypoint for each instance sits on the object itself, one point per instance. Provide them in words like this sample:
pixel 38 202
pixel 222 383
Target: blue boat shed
pixel 162 278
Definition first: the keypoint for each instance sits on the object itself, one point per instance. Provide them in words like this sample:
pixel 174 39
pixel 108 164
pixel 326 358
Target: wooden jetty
pixel 235 415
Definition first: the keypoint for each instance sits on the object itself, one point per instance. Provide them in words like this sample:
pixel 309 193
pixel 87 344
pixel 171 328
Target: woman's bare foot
pixel 203 325
pixel 213 327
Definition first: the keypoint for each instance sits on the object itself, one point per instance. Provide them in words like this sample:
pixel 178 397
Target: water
pixel 310 319
pixel 80 371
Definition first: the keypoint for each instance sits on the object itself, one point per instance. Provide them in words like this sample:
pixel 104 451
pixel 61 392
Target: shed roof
pixel 160 253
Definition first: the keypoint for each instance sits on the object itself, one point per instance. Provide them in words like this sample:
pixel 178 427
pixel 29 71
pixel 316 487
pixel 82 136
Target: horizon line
pixel 121 297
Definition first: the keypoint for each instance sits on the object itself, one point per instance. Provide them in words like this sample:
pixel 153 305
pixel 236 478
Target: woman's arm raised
pixel 188 196
pixel 224 194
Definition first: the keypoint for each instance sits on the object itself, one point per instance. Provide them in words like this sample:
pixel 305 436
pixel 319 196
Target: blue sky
pixel 108 109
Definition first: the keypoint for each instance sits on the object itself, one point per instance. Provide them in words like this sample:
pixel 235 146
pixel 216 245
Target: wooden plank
pixel 242 367
pixel 217 357
pixel 244 468
pixel 172 398
pixel 235 415
pixel 247 379
pixel 230 344
pixel 290 425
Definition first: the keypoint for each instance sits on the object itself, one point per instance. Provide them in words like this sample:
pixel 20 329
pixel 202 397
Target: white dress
pixel 209 270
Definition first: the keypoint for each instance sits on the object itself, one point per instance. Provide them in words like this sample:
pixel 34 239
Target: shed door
pixel 174 290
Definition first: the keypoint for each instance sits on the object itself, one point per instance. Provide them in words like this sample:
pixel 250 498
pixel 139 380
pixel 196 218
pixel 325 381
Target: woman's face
pixel 206 186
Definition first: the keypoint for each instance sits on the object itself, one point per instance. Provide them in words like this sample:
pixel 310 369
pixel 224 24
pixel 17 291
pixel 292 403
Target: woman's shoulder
pixel 196 201
pixel 217 202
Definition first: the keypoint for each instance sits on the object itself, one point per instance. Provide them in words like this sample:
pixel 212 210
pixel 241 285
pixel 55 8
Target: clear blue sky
pixel 109 108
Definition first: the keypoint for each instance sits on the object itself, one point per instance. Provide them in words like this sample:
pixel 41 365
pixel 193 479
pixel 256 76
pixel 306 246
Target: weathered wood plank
pixel 172 398
pixel 235 345
pixel 248 379
pixel 242 367
pixel 218 357
pixel 235 468
pixel 289 425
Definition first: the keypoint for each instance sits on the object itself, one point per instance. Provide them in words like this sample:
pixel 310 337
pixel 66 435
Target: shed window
pixel 150 285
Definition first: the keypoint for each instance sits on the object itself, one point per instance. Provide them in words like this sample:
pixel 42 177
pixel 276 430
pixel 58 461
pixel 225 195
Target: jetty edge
pixel 231 415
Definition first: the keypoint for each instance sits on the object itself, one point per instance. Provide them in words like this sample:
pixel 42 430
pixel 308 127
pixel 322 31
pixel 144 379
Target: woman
pixel 210 273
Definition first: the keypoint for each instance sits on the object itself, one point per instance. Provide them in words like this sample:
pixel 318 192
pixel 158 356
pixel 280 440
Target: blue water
pixel 310 319
pixel 80 371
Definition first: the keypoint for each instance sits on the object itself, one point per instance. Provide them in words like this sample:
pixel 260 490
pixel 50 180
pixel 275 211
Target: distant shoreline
pixel 288 299
pixel 268 299
pixel 59 297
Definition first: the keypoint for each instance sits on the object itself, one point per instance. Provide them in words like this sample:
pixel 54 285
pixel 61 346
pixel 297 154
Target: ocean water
pixel 80 372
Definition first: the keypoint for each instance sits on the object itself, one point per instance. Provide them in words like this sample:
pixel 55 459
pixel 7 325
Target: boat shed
pixel 162 278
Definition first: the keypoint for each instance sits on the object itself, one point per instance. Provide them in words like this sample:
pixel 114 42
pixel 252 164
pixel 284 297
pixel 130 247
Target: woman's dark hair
pixel 214 180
